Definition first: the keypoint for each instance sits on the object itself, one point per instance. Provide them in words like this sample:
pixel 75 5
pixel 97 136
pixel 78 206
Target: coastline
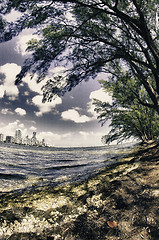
pixel 119 202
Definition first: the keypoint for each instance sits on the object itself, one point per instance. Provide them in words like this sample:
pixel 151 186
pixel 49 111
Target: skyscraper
pixel 1 137
pixel 34 139
pixel 9 139
pixel 18 136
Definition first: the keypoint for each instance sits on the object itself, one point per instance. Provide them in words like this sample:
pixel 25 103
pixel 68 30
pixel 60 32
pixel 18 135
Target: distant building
pixel 34 139
pixel 1 137
pixel 18 136
pixel 27 140
pixel 17 139
pixel 43 143
pixel 9 139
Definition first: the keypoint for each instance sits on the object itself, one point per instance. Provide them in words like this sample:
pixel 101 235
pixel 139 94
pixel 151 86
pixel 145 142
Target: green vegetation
pixel 129 118
pixel 117 38
pixel 87 37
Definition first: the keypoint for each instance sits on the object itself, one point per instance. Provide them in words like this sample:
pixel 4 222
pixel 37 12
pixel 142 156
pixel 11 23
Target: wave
pixel 64 160
pixel 65 166
pixel 12 176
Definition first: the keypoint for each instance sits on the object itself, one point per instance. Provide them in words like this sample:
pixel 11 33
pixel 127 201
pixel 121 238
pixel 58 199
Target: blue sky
pixel 66 121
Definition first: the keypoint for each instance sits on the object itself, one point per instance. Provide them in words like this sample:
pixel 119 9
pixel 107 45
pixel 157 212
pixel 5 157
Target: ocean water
pixel 23 167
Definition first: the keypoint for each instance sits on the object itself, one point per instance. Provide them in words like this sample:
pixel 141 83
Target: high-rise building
pixel 27 140
pixel 9 139
pixel 1 137
pixel 34 139
pixel 17 139
pixel 34 134
pixel 18 136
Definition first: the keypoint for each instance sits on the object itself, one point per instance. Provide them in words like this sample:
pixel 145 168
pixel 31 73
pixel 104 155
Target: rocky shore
pixel 120 202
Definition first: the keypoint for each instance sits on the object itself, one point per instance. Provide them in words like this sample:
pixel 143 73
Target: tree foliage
pixel 88 37
pixel 129 118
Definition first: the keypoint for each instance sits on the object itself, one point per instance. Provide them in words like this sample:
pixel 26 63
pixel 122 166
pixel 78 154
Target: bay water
pixel 23 167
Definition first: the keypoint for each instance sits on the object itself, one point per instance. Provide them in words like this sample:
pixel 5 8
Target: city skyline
pixel 19 139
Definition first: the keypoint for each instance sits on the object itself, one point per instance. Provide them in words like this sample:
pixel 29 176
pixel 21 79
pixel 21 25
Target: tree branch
pixel 146 84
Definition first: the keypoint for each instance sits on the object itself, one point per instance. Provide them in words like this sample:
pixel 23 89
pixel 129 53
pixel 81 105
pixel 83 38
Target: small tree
pixel 129 118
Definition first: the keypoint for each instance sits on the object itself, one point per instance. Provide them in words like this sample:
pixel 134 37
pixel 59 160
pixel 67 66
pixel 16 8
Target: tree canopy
pixel 88 37
pixel 129 118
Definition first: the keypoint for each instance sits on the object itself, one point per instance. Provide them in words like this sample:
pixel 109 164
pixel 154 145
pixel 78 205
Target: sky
pixel 67 121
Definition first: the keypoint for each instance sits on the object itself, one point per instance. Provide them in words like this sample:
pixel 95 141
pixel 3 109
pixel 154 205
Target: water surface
pixel 26 166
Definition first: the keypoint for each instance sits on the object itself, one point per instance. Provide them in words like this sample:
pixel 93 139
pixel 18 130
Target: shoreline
pixel 119 202
pixel 70 165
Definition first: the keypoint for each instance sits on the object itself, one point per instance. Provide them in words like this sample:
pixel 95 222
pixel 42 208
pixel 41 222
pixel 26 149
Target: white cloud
pixel 33 128
pixel 12 98
pixel 10 70
pixel 12 16
pixel 26 93
pixel 71 138
pixel 90 134
pixel 6 111
pixel 100 95
pixel 20 111
pixel 23 38
pixel 57 71
pixel 28 101
pixel 32 83
pixel 90 138
pixel 38 114
pixel 45 107
pixel 51 137
pixel 90 109
pixel 36 87
pixel 10 128
pixel 2 91
pixel 21 125
pixel 74 116
pixel 55 139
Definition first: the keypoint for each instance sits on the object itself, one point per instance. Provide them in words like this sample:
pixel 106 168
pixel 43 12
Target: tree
pixel 88 37
pixel 129 118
